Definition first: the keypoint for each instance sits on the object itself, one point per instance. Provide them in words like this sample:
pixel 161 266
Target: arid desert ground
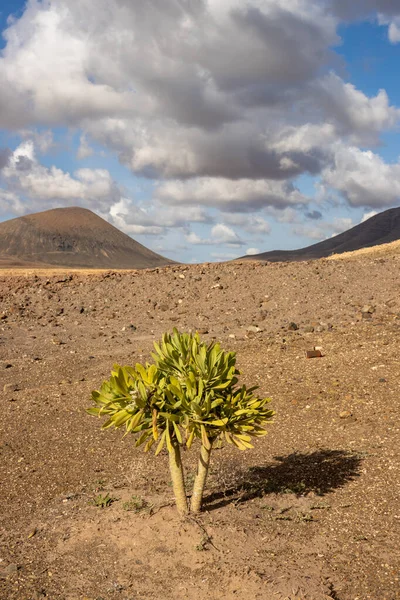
pixel 313 512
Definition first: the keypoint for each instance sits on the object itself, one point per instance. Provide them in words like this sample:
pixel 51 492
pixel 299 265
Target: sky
pixel 204 129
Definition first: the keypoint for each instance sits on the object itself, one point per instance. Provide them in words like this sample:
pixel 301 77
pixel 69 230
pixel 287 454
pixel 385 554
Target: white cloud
pixel 250 223
pixel 185 90
pixel 354 112
pixel 323 229
pixel 154 219
pixel 84 150
pixel 368 215
pixel 252 251
pixel 316 233
pixel 25 176
pixel 363 178
pixel 394 26
pixel 221 235
pixel 243 195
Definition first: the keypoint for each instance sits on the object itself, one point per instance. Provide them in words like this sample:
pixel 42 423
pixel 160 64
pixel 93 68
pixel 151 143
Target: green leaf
pixel 160 443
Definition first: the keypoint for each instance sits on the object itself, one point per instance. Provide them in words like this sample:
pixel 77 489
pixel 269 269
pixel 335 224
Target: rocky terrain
pixel 382 228
pixel 71 237
pixel 311 513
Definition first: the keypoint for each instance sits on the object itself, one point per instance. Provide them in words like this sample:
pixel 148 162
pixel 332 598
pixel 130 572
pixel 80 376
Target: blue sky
pixel 207 132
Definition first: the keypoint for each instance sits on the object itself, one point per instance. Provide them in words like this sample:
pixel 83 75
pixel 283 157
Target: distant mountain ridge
pixel 71 237
pixel 379 229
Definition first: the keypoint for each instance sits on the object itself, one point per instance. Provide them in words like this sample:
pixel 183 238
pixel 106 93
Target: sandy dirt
pixel 312 512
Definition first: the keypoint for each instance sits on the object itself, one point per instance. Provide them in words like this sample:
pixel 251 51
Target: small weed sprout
pixel 102 501
pixel 136 504
pixel 189 392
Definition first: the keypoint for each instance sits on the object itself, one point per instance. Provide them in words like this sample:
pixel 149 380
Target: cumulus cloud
pixel 251 223
pixel 5 155
pixel 353 111
pixel 363 178
pixel 24 175
pixel 244 195
pixel 368 215
pixel 84 150
pixel 221 234
pixel 223 104
pixel 154 219
pixel 186 90
pixel 252 251
pixel 324 229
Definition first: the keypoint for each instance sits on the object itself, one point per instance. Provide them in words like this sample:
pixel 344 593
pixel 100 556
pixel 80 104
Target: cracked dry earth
pixel 312 512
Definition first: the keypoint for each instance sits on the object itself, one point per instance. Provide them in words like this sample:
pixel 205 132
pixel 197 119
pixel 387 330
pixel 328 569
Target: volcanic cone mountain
pixel 379 229
pixel 71 237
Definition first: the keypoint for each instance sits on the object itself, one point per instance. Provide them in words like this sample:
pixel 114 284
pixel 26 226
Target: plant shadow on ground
pixel 320 472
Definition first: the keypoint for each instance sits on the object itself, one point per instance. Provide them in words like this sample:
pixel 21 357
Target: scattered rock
pixel 10 570
pixel 254 329
pixel 368 309
pixel 8 366
pixel 163 307
pixel 293 326
pixel 345 414
pixel 11 387
pixel 313 354
pixel 308 329
pixel 217 286
pixel 181 276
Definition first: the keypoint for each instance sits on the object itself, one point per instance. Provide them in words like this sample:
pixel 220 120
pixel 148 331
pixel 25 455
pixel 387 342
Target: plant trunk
pixel 201 477
pixel 178 482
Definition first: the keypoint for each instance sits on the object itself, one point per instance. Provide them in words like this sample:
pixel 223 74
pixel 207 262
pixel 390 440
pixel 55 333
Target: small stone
pixel 308 329
pixel 164 307
pixel 132 327
pixel 368 309
pixel 11 387
pixel 345 414
pixel 10 569
pixel 293 326
pixel 181 276
pixel 254 329
pixel 202 331
pixel 56 341
pixel 382 380
pixel 217 286
pixel 8 366
pixel 366 315
pixel 232 336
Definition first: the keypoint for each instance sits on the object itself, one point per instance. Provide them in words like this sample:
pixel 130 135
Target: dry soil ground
pixel 312 512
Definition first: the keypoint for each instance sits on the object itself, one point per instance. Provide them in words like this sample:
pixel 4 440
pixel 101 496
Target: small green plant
pixel 189 392
pixel 135 504
pixel 102 501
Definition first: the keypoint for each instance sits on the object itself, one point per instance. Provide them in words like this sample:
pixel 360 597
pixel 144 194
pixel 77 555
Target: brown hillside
pixel 71 237
pixel 382 228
